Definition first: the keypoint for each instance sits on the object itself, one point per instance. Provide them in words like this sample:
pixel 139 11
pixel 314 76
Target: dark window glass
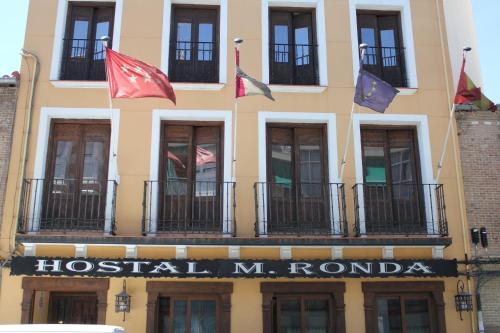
pixel 71 308
pixel 83 54
pixel 194 41
pixel 293 49
pixel 302 314
pixel 392 188
pixel 404 314
pixel 189 315
pixel 385 58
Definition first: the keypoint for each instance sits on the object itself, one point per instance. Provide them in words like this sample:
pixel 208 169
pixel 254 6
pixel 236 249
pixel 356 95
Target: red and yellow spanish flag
pixel 247 85
pixel 469 94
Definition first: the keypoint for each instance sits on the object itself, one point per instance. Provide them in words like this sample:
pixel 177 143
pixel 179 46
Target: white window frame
pixel 165 41
pixel 160 115
pixel 319 7
pixel 424 148
pixel 60 30
pixel 47 114
pixel 330 120
pixel 402 6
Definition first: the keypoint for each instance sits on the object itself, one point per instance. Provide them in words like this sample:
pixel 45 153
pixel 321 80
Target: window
pixel 83 50
pixel 293 50
pixel 194 45
pixel 392 187
pixel 72 308
pixel 190 178
pixel 189 307
pixel 385 56
pixel 298 190
pixel 404 307
pixel 303 307
pixel 76 181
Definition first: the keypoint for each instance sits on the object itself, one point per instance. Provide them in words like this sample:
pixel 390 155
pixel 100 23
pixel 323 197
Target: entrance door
pixel 65 308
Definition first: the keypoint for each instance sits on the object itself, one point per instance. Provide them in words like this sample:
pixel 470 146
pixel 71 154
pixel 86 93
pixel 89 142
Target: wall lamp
pixel 463 300
pixel 122 300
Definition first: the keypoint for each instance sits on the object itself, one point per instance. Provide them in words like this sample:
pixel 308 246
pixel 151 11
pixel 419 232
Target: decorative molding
pixel 80 251
pixel 29 249
pixel 297 89
pixel 198 86
pixel 407 91
pixel 79 84
pixel 437 252
pixel 131 251
pixel 337 252
pixel 233 252
pixel 285 252
pixel 181 252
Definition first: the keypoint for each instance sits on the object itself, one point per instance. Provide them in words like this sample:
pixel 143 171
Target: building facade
pixel 143 191
pixel 479 135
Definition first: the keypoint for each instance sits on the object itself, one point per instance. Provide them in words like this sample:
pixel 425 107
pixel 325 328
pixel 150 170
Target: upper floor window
pixel 293 51
pixel 83 50
pixel 194 45
pixel 385 56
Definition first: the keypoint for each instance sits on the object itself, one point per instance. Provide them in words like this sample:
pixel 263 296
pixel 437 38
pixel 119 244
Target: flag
pixel 373 92
pixel 247 85
pixel 131 78
pixel 469 94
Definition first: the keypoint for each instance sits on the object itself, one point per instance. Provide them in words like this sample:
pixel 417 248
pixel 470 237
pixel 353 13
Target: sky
pixel 14 12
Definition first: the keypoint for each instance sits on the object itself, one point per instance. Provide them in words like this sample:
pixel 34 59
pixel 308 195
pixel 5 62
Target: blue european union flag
pixel 373 92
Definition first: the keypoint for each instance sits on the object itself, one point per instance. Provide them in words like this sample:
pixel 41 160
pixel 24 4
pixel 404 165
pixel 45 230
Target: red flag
pixel 469 94
pixel 131 78
pixel 247 85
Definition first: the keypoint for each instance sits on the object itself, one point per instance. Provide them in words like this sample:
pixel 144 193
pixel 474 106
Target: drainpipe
pixel 479 311
pixel 27 130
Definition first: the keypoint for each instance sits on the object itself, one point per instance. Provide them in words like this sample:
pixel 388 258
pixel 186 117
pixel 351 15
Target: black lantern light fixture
pixel 122 300
pixel 463 300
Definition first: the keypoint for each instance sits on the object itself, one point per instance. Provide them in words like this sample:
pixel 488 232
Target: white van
pixel 60 328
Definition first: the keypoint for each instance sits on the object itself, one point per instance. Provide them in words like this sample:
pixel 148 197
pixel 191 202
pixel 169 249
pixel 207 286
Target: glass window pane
pixel 417 316
pixel 388 41
pixel 93 161
pixel 281 156
pixel 281 47
pixel 176 168
pixel 79 42
pixel 389 315
pixel 374 158
pixel 80 29
pixel 180 312
pixel 203 317
pixel 102 29
pixel 310 154
pixel 164 315
pixel 66 157
pixel 290 316
pixel 368 37
pixel 205 42
pixel 183 44
pixel 302 46
pixel 316 316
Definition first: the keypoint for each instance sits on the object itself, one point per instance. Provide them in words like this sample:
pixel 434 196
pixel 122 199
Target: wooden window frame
pixel 432 290
pixel 333 290
pixel 221 291
pixel 92 285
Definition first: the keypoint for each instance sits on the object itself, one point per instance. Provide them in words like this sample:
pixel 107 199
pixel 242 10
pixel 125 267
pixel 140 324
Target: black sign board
pixel 224 268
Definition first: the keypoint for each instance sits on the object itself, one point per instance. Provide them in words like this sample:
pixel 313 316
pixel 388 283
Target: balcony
pixel 83 59
pixel 388 63
pixel 183 207
pixel 194 62
pixel 67 205
pixel 402 209
pixel 294 64
pixel 300 209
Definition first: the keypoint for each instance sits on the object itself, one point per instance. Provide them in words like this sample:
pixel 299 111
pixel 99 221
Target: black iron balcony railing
pixel 200 207
pixel 194 62
pixel 402 209
pixel 294 64
pixel 300 209
pixel 67 205
pixel 388 63
pixel 83 59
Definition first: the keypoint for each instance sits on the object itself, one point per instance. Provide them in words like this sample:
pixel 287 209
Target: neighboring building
pixel 479 138
pixel 145 190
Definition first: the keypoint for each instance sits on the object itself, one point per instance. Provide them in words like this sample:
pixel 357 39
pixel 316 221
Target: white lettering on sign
pixel 418 267
pixel 43 265
pixel 136 265
pixel 240 268
pixel 326 267
pixel 109 267
pixel 355 266
pixel 295 267
pixel 192 269
pixel 72 266
pixel 165 266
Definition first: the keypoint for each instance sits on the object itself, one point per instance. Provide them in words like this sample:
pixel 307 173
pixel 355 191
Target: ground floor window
pixel 406 307
pixel 189 307
pixel 303 307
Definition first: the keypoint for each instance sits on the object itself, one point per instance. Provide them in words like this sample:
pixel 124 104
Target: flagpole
pixel 237 42
pixel 448 131
pixel 363 48
pixel 105 40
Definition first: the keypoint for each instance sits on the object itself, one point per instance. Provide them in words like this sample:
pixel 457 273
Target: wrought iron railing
pixel 194 62
pixel 402 209
pixel 388 63
pixel 200 207
pixel 67 205
pixel 300 209
pixel 83 59
pixel 294 64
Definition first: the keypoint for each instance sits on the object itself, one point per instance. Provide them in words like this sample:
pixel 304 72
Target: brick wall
pixel 8 96
pixel 479 138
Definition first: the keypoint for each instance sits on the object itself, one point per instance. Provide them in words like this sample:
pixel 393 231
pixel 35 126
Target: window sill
pixel 297 89
pixel 198 86
pixel 79 84
pixel 407 91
